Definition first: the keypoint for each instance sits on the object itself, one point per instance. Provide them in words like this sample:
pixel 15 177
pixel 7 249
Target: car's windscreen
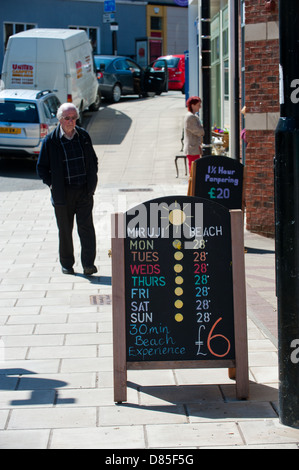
pixel 18 111
pixel 173 62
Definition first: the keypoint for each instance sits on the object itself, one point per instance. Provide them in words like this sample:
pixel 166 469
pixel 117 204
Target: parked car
pixel 26 117
pixel 118 76
pixel 176 70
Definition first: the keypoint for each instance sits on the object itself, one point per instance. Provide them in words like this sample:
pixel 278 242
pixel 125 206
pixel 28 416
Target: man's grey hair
pixel 66 107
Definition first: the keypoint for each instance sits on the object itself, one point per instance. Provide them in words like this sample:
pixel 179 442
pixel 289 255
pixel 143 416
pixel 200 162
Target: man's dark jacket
pixel 50 163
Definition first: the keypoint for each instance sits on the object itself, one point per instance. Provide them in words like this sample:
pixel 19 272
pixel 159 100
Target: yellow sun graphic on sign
pixel 177 216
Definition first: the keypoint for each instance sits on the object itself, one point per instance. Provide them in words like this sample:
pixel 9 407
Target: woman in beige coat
pixel 193 131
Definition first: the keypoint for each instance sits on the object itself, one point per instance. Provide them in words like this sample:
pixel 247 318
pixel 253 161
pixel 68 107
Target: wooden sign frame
pixel 238 367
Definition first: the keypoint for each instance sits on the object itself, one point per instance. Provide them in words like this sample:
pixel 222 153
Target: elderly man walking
pixel 68 165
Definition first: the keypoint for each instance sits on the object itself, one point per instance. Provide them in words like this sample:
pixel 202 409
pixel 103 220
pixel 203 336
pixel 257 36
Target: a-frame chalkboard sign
pixel 218 178
pixel 178 289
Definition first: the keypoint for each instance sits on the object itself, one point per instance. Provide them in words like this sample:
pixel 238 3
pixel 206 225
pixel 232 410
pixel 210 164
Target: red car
pixel 176 71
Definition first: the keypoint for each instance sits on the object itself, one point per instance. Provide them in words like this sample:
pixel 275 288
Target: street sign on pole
pixel 109 6
pixel 113 26
pixel 108 17
pixel 287 214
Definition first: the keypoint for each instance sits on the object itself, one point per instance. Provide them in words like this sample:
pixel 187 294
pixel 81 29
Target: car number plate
pixel 10 130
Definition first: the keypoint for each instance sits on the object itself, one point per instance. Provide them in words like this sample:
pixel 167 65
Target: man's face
pixel 68 121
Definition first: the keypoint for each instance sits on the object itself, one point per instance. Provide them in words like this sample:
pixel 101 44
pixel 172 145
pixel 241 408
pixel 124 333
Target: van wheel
pixel 116 93
pixel 96 105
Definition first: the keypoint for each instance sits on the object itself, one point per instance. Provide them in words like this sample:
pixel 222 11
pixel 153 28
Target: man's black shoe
pixel 67 270
pixel 88 271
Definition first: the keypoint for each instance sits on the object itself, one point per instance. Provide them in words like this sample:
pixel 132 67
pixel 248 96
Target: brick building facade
pixel 262 112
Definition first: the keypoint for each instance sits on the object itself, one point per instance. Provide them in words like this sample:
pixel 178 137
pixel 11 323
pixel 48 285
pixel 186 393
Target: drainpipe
pixel 206 75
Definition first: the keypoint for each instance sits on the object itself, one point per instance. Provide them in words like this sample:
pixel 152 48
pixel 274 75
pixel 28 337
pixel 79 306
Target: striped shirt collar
pixel 63 134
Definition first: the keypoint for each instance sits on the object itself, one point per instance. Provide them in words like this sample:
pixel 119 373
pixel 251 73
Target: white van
pixel 57 59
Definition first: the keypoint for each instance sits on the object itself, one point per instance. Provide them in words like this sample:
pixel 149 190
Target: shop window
pixel 225 42
pixel 215 49
pixel 220 68
pixel 156 23
pixel 94 36
pixel 226 80
pixel 14 28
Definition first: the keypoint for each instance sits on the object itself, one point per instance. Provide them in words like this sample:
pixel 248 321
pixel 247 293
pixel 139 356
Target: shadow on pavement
pixel 102 128
pixel 42 390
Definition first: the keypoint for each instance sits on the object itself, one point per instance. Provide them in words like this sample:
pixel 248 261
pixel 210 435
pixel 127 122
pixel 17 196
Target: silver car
pixel 26 117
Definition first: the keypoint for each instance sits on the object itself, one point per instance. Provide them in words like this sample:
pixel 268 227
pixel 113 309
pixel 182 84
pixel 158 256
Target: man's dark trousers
pixel 78 204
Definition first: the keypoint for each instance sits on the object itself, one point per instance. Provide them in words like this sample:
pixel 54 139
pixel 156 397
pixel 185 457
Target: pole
pixel 234 80
pixel 286 165
pixel 237 82
pixel 114 29
pixel 242 40
pixel 114 42
pixel 206 74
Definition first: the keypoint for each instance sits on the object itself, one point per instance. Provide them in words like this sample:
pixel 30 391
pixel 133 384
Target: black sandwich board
pixel 173 279
pixel 219 179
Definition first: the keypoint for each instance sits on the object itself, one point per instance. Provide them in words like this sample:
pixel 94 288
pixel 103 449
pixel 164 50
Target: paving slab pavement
pixel 56 384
